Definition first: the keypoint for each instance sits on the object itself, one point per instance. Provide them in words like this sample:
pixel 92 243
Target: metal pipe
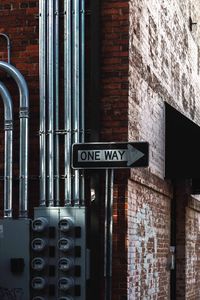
pixel 76 90
pixel 8 153
pixel 108 233
pixel 23 115
pixel 82 92
pixel 8 45
pixel 57 172
pixel 43 80
pixel 67 100
pixel 51 78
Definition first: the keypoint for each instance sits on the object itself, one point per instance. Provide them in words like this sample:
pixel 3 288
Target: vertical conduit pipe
pixel 8 152
pixel 67 100
pixel 23 115
pixel 76 90
pixel 43 80
pixel 57 173
pixel 8 45
pixel 51 104
pixel 82 92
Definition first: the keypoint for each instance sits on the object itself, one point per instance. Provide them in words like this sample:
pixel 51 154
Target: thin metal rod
pixel 43 80
pixel 8 45
pixel 108 233
pixel 76 89
pixel 67 100
pixel 8 152
pixel 23 114
pixel 57 171
pixel 51 78
pixel 82 92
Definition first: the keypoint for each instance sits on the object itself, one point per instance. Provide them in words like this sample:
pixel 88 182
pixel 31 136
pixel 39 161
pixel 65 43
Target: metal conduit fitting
pixel 8 153
pixel 57 171
pixel 43 96
pixel 76 88
pixel 50 121
pixel 8 45
pixel 23 114
pixel 68 99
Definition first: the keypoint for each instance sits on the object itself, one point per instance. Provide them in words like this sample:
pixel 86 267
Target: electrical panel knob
pixel 65 264
pixel 65 244
pixel 38 283
pixel 65 224
pixel 65 283
pixel 38 264
pixel 38 244
pixel 40 224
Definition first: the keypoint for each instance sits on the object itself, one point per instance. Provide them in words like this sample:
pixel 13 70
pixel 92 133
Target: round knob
pixel 38 244
pixel 40 224
pixel 38 264
pixel 65 283
pixel 65 224
pixel 38 283
pixel 65 264
pixel 65 244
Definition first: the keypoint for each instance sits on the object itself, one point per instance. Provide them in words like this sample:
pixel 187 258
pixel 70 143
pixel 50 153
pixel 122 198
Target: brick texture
pixel 148 56
pixel 163 66
pixel 114 122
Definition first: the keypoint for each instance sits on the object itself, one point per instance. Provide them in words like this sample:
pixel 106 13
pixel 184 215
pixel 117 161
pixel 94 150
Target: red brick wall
pixel 114 69
pixel 114 121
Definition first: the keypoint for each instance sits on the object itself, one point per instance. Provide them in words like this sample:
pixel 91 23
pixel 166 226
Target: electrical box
pixel 58 253
pixel 14 259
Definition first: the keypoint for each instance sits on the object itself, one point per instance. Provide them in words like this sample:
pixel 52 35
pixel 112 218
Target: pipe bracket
pixel 8 125
pixel 7 213
pixel 24 112
pixel 41 132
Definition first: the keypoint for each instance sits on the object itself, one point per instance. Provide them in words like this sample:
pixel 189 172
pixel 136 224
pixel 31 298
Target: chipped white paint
pixel 145 256
pixel 163 51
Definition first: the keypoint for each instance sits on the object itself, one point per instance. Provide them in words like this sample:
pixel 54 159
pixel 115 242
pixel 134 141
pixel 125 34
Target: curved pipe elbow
pixel 22 85
pixel 7 100
pixel 8 44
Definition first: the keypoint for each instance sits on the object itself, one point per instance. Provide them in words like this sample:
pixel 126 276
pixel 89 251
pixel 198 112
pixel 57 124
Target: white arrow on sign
pixel 129 155
pixel 133 155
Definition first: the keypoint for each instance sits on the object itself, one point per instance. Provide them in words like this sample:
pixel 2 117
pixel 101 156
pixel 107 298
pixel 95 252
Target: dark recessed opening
pixel 182 146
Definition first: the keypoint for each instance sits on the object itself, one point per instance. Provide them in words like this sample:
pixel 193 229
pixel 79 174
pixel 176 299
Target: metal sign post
pixel 109 156
pixel 108 233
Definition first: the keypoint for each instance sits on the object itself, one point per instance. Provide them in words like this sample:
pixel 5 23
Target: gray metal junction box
pixel 58 253
pixel 44 259
pixel 14 259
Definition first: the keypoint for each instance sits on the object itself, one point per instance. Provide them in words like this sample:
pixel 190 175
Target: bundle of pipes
pixel 23 115
pixel 49 99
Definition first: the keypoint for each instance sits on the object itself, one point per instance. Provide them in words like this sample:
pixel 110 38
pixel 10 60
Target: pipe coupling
pixel 8 125
pixel 24 112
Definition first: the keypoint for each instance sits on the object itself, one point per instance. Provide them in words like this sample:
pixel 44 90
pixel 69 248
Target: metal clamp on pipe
pixel 24 112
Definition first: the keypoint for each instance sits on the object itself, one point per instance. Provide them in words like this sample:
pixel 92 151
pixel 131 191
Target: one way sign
pixel 110 155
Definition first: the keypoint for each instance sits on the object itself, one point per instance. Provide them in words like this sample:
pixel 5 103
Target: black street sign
pixel 110 155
